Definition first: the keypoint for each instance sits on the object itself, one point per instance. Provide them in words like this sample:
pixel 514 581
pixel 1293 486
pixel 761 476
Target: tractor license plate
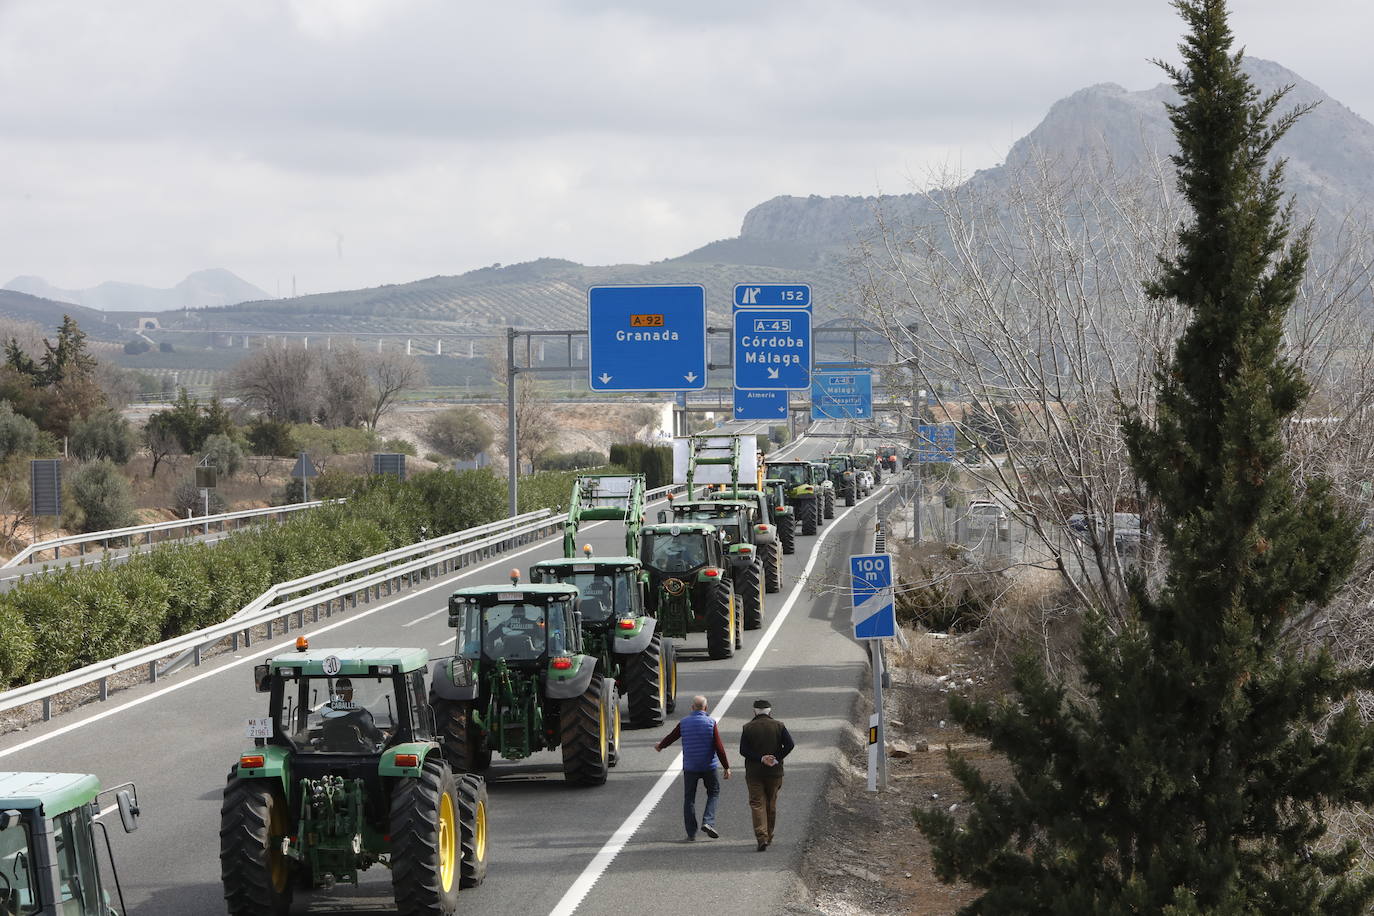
pixel 259 728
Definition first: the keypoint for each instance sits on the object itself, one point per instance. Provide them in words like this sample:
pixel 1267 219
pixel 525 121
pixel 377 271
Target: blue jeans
pixel 689 798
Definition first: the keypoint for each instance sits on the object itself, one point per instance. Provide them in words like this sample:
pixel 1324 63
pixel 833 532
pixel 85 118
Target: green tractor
pixel 784 516
pixel 690 589
pixel 845 476
pixel 805 486
pixel 615 625
pixel 48 864
pixel 868 462
pixel 345 772
pixel 522 682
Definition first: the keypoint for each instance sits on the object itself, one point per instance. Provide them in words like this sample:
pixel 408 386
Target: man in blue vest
pixel 701 749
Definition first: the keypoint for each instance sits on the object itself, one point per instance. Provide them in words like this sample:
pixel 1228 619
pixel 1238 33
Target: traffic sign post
pixel 304 468
pixel 773 349
pixel 874 618
pixel 842 395
pixel 760 405
pixel 773 295
pixel 646 338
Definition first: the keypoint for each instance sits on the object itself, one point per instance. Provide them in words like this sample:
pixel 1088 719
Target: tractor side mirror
pixel 662 517
pixel 262 678
pixel 9 818
pixel 128 810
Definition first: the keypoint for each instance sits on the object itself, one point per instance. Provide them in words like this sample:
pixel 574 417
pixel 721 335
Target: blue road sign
pixel 760 405
pixel 874 615
pixel 842 394
pixel 936 444
pixel 773 295
pixel 646 338
pixel 773 349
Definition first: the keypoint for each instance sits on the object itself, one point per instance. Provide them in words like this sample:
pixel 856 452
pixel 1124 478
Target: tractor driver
pixel 342 715
pixel 523 630
pixel 597 602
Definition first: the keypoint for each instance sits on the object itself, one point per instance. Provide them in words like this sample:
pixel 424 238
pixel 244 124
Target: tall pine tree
pixel 1195 777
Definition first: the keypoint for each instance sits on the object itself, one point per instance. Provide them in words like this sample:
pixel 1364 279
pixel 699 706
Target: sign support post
pixel 874 620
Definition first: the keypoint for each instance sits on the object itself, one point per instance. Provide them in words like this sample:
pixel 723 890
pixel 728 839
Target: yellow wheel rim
pixel 278 865
pixel 662 686
pixel 448 842
pixel 601 715
pixel 479 832
pixel 616 727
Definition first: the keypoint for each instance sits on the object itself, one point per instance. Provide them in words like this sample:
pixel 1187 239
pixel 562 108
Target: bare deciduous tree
pixel 280 381
pixel 389 374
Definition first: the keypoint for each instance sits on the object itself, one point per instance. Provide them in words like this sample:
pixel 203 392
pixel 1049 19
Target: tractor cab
pixel 734 518
pixel 48 862
pixel 609 588
pixel 775 489
pixel 523 626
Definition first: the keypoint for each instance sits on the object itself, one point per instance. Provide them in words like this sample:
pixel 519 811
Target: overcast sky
pixel 352 143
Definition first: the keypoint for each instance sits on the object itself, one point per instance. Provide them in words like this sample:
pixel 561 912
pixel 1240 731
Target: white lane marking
pixel 280 647
pixel 602 860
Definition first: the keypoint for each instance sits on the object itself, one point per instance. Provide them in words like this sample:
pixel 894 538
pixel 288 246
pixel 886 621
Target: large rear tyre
pixel 461 740
pixel 720 621
pixel 426 857
pixel 849 492
pixel 253 821
pixel 829 503
pixel 749 589
pixel 787 533
pixel 810 515
pixel 670 669
pixel 772 567
pixel 586 735
pixel 472 829
pixel 646 682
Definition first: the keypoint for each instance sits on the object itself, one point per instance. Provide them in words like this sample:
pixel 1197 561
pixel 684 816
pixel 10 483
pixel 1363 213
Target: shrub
pixel 187 500
pixel 105 434
pixel 224 453
pixel 165 347
pixel 16 644
pixel 569 461
pixel 136 346
pixel 945 592
pixel 655 462
pixel 400 447
pixel 320 440
pixel 100 498
pixel 459 432
pixel 18 435
pixel 271 437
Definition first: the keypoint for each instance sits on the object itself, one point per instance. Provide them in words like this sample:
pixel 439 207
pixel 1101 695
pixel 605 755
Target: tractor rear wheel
pixel 646 681
pixel 586 734
pixel 749 586
pixel 787 533
pixel 253 821
pixel 772 567
pixel 461 740
pixel 849 492
pixel 720 621
pixel 426 844
pixel 472 825
pixel 670 670
pixel 810 514
pixel 829 503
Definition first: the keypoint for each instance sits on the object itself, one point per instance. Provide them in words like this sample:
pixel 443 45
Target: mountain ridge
pixel 213 286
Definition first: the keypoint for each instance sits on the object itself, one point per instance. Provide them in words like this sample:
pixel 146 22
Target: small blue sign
pixel 773 349
pixel 646 338
pixel 842 395
pixel 773 295
pixel 760 405
pixel 936 444
pixel 874 615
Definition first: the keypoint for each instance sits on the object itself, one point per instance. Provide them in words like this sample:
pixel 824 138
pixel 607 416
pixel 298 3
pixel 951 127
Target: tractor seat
pixel 344 737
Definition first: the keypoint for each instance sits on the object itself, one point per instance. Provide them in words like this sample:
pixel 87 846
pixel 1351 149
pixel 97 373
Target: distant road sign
pixel 646 338
pixel 393 463
pixel 842 394
pixel 773 295
pixel 760 405
pixel 936 444
pixel 304 468
pixel 874 615
pixel 773 349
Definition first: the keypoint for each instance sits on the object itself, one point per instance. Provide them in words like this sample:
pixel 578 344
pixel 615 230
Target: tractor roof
pixel 589 562
pixel 786 461
pixel 51 793
pixel 354 660
pixel 521 592
pixel 681 528
pixel 729 502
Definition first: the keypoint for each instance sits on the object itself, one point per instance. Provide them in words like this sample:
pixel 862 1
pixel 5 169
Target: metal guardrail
pixel 129 535
pixel 238 629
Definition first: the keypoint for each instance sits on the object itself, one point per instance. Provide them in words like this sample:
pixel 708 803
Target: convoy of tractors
pixel 375 755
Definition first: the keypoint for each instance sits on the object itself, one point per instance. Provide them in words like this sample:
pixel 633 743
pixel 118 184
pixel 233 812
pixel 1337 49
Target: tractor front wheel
pixel 253 823
pixel 460 737
pixel 586 734
pixel 646 681
pixel 787 533
pixel 749 587
pixel 472 824
pixel 720 621
pixel 426 844
pixel 829 503
pixel 772 567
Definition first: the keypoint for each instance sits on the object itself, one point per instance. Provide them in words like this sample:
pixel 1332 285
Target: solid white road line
pixel 602 860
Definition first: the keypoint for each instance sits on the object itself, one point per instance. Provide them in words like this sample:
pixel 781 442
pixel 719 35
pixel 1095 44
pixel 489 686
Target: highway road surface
pixel 613 849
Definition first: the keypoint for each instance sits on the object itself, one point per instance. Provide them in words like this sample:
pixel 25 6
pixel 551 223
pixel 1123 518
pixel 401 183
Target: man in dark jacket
pixel 701 748
pixel 763 745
